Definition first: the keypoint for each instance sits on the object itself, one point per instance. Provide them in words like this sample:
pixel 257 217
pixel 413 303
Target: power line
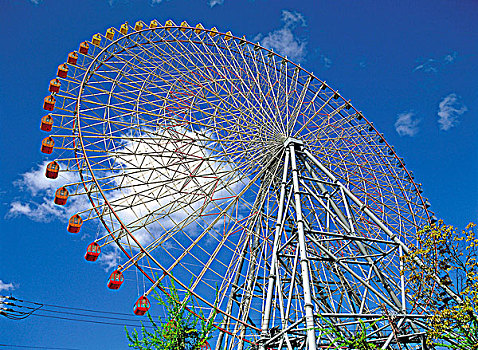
pixel 76 308
pixel 36 347
pixel 38 309
pixel 91 321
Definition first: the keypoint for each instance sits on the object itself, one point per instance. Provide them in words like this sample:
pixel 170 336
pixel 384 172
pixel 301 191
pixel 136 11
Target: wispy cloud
pixel 110 259
pixel 36 2
pixel 39 212
pixel 326 61
pixel 283 40
pixel 6 286
pixel 40 192
pixel 433 65
pixel 449 111
pixel 407 124
pixel 430 65
pixel 293 18
pixel 213 3
pixel 450 57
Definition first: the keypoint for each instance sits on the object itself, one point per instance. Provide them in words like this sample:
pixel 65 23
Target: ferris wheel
pixel 252 183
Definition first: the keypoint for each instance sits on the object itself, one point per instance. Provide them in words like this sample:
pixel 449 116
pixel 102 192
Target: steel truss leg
pixel 304 261
pixel 290 159
pixel 272 275
pixel 337 205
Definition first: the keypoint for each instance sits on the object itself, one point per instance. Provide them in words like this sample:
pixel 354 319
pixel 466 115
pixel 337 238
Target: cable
pixel 78 314
pixel 36 347
pixel 18 315
pixel 91 321
pixel 80 309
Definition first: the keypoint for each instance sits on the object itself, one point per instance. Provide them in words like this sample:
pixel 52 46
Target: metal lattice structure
pixel 209 158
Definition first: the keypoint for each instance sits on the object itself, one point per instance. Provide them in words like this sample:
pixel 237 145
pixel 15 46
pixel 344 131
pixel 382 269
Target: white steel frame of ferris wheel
pixel 294 150
pixel 310 159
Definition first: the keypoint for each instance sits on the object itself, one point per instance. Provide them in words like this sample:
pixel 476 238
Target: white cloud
pixel 432 65
pixel 168 181
pixel 326 61
pixel 283 40
pixel 6 286
pixel 177 197
pixel 450 57
pixel 36 2
pixel 292 19
pixel 213 3
pixel 40 192
pixel 110 259
pixel 449 111
pixel 406 124
pixel 42 212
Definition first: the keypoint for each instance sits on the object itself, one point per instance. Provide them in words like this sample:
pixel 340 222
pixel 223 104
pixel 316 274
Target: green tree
pixel 183 328
pixel 358 341
pixel 451 255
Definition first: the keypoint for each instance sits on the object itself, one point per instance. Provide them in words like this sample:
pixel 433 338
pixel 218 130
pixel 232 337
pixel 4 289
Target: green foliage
pixel 452 256
pixel 357 342
pixel 179 330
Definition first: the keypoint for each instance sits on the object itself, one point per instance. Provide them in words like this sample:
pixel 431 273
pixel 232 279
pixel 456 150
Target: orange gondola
pixel 92 252
pixel 110 33
pixel 96 40
pixel 84 46
pixel 49 103
pixel 72 58
pixel 52 170
pixel 47 145
pixel 141 306
pixel 55 85
pixel 74 224
pixel 153 24
pixel 138 26
pixel 62 70
pixel 116 280
pixel 46 123
pixel 124 28
pixel 61 196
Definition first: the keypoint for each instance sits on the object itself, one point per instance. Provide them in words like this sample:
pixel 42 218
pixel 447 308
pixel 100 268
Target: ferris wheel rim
pixel 90 169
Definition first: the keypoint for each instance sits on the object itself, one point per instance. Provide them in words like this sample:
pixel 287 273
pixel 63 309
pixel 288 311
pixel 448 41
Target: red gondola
pixel 92 252
pixel 84 48
pixel 49 103
pixel 47 145
pixel 61 196
pixel 141 306
pixel 74 224
pixel 62 70
pixel 52 170
pixel 54 85
pixel 205 346
pixel 116 280
pixel 72 58
pixel 46 123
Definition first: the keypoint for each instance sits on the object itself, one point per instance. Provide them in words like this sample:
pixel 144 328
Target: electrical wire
pixel 59 310
pixel 38 309
pixel 92 321
pixel 36 347
pixel 71 308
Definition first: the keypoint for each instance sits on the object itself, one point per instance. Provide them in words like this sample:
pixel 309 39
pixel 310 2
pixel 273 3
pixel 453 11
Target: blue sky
pixel 411 67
